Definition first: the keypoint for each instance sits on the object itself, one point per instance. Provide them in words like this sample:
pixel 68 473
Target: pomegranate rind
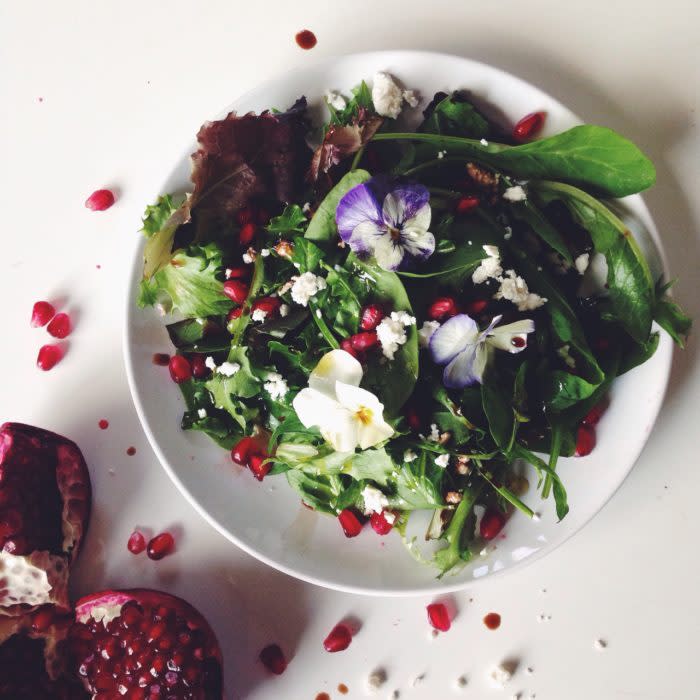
pixel 29 581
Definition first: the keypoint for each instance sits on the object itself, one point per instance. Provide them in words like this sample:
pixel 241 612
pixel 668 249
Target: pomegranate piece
pixel 491 523
pixel 45 500
pixel 442 308
pixel 136 543
pixel 585 440
pixel 100 200
pixel 466 204
pixel 154 646
pixel 364 340
pixel 49 356
pixel 199 369
pixel 438 616
pixel 412 418
pixel 346 344
pixel 59 326
pixel 371 317
pixel 180 369
pixel 273 659
pixel 529 126
pixel 380 524
pixel 350 523
pixel 42 313
pixel 237 273
pixel 270 305
pixel 236 290
pixel 160 546
pixel 338 640
pixel 596 413
pixel 242 450
pixel 476 307
pixel 234 313
pixel 258 466
pixel 248 231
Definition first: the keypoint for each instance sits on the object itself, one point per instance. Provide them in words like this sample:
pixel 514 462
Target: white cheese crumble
pixel 390 517
pixel 202 412
pixel 411 98
pixel 306 286
pixel 391 332
pixel 600 644
pixel 581 263
pixel 514 288
pixel 484 142
pixel 335 100
pixel 441 154
pixel 284 310
pixel 265 252
pixel 209 362
pixel 275 385
pixel 228 369
pixel 490 266
pixel 306 208
pixel 376 680
pixel 386 95
pixel 375 500
pixel 409 456
pixel 259 315
pixel 248 258
pixel 426 332
pixel 515 194
pixel 500 675
pixel 442 461
pixel 434 433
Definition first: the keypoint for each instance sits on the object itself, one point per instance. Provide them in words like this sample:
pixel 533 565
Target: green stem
pixel 463 145
pixel 358 157
pixel 509 496
pixel 445 193
pixel 325 331
pixel 430 164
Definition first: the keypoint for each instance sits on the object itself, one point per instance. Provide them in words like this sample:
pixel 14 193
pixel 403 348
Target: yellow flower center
pixel 364 415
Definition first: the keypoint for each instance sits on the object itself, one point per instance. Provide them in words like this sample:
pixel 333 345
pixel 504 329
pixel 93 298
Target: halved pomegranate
pixel 145 644
pixel 45 501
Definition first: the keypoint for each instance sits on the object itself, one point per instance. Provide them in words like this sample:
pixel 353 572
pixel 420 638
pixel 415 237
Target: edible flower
pixel 465 350
pixel 387 219
pixel 346 415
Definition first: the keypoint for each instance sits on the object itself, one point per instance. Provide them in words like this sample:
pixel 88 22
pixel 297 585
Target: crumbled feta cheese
pixel 376 680
pixel 442 461
pixel 514 288
pixel 386 95
pixel 228 369
pixel 275 385
pixel 248 258
pixel 209 362
pixel 265 252
pixel 284 310
pixel 228 272
pixel 375 500
pixel 409 456
pixel 515 194
pixel 411 98
pixel 306 286
pixel 335 100
pixel 581 263
pixel 306 208
pixel 500 675
pixel 434 433
pixel 490 266
pixel 259 315
pixel 441 154
pixel 202 412
pixel 391 332
pixel 426 332
pixel 600 644
pixel 484 142
pixel 563 352
pixel 390 517
pixel 319 314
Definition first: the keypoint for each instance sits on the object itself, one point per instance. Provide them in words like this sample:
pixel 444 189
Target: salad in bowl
pixel 393 319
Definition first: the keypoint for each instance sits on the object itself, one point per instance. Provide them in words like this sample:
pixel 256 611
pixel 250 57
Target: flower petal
pixel 364 236
pixel 388 253
pixel 335 366
pixel 357 206
pixel 503 336
pixel 453 337
pixel 354 398
pixel 403 203
pixel 367 412
pixel 315 408
pixel 420 220
pixel 460 371
pixel 373 433
pixel 417 243
pixel 341 433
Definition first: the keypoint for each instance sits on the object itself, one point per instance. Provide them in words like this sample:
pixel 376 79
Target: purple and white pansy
pixel 465 350
pixel 388 219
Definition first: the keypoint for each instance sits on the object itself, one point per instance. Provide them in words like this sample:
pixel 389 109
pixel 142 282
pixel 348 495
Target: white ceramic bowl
pixel 267 520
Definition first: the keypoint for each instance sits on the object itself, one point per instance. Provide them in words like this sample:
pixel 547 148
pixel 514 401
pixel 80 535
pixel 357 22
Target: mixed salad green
pixel 393 320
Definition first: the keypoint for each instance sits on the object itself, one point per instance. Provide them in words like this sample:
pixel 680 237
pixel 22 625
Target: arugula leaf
pixel 192 283
pixel 454 115
pixel 322 226
pixel 457 552
pixel 361 100
pixel 418 485
pixel 531 215
pixel 560 498
pixel 561 389
pixel 307 255
pixel 291 220
pixel 587 155
pixel 319 491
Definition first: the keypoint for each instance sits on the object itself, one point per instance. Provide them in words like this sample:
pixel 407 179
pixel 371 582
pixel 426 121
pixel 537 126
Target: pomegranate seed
pixel 596 413
pixel 438 616
pixel 364 340
pixel 49 356
pixel 467 204
pixel 131 451
pixel 199 369
pixel 42 620
pixel 269 305
pixel 180 369
pixel 346 344
pixel 476 307
pixel 441 308
pixel 350 523
pixel 585 440
pixel 380 524
pixel 160 546
pixel 255 462
pixel 42 313
pixel 529 126
pixel 136 543
pixel 412 418
pixel 100 200
pixel 272 658
pixel 248 231
pixel 492 523
pixel 338 640
pixel 237 273
pixel 236 290
pixel 103 424
pixel 517 342
pixel 234 313
pixel 242 450
pixel 59 326
pixel 244 215
pixel 371 316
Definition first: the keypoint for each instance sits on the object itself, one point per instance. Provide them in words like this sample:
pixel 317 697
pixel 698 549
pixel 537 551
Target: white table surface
pixel 107 94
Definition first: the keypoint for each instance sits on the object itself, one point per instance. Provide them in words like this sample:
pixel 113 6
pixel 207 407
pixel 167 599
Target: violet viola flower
pixel 466 351
pixel 388 219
